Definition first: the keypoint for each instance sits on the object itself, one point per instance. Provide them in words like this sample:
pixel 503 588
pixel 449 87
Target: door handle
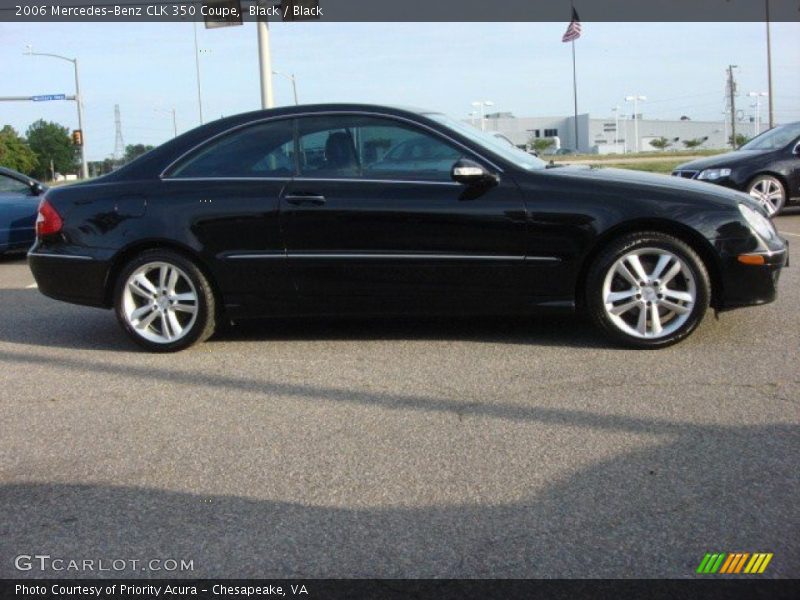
pixel 300 199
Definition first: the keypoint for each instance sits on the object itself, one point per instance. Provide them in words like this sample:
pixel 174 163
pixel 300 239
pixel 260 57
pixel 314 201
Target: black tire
pixel 201 328
pixel 774 181
pixel 601 268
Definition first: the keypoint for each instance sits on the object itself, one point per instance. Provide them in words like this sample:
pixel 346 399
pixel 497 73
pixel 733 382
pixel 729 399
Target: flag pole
pixel 575 94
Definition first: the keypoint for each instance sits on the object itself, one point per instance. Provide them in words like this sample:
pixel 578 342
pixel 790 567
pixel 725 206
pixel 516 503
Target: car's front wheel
pixel 648 290
pixel 769 192
pixel 164 302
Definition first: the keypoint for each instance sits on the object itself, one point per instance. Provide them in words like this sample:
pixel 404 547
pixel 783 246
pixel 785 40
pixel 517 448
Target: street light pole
pixel 758 96
pixel 635 100
pixel 294 83
pixel 483 104
pixel 78 100
pixel 197 71
pixel 265 64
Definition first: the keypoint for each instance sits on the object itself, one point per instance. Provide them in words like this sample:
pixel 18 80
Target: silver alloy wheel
pixel 769 193
pixel 160 302
pixel 649 293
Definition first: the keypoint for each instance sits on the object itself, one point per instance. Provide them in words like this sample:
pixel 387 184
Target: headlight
pixel 712 174
pixel 760 224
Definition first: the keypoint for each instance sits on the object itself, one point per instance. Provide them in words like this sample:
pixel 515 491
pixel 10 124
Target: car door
pixel 18 206
pixel 793 178
pixel 225 194
pixel 373 221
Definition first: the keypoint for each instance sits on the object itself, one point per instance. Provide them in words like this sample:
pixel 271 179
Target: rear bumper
pixel 76 278
pixel 749 285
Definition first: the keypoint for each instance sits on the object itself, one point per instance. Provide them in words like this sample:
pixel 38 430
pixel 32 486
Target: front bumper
pixel 749 285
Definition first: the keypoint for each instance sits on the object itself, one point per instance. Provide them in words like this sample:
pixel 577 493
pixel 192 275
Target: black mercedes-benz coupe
pixel 366 210
pixel 767 167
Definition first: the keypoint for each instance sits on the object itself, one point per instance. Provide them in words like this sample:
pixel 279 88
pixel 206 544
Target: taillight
pixel 48 220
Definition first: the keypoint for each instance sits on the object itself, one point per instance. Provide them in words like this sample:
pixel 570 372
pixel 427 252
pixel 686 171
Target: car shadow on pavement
pixel 10 258
pixel 652 512
pixel 549 330
pixel 32 319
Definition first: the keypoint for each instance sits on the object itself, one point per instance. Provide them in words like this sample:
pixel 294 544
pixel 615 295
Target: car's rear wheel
pixel 769 192
pixel 164 302
pixel 648 290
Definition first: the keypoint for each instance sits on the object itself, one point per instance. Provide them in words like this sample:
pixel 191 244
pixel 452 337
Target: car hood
pixel 644 188
pixel 729 159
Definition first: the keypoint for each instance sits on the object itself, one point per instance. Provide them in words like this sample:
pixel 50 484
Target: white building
pixel 605 136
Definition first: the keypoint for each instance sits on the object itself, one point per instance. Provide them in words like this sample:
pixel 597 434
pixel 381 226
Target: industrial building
pixel 612 135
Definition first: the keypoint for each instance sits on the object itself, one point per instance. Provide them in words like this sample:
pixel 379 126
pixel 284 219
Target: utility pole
pixel 732 101
pixel 174 123
pixel 769 71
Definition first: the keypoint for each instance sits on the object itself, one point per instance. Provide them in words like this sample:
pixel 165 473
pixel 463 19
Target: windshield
pixel 775 138
pixel 494 144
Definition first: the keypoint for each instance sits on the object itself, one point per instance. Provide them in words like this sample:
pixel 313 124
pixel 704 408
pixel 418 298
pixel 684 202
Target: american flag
pixel 573 31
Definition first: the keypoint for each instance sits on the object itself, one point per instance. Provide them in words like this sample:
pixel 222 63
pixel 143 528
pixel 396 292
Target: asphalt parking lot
pixel 489 448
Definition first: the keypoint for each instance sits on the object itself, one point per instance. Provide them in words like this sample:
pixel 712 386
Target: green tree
pixel 661 143
pixel 694 143
pixel 15 152
pixel 741 140
pixel 52 142
pixel 101 167
pixel 133 151
pixel 541 144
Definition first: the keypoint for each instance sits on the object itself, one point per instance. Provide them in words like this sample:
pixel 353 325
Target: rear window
pixel 262 150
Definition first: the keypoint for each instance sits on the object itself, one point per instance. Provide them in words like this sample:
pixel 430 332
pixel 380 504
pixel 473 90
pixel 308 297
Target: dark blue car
pixel 19 198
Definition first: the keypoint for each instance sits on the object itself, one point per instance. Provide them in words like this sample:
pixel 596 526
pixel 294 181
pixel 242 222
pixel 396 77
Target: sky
pixel 522 67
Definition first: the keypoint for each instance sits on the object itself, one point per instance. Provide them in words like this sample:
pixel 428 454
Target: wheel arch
pixel 779 176
pixel 684 233
pixel 129 252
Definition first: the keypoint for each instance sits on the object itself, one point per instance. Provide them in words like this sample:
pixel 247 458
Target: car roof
pixel 157 159
pixel 17 175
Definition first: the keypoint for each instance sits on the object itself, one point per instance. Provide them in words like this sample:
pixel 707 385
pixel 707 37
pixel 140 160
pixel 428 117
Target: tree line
pixel 47 148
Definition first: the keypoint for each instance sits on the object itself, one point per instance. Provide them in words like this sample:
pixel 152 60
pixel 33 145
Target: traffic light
pixel 77 137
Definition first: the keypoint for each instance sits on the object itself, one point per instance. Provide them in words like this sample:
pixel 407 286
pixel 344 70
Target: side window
pixel 372 148
pixel 264 150
pixel 9 185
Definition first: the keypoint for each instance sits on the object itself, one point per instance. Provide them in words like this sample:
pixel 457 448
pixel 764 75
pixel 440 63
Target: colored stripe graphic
pixel 727 564
pixel 740 564
pixel 731 563
pixel 710 563
pixel 734 563
pixel 703 563
pixel 764 564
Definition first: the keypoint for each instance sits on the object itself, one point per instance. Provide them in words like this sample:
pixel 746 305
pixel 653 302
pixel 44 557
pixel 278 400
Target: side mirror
pixel 469 172
pixel 796 150
pixel 37 189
